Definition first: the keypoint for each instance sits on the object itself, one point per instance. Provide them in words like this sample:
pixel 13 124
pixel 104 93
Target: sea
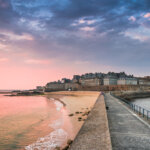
pixel 33 122
pixel 142 102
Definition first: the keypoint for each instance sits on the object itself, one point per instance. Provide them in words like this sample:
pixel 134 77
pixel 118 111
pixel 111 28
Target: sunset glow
pixel 43 41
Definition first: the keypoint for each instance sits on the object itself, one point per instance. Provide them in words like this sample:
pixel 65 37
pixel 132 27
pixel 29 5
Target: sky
pixel 46 40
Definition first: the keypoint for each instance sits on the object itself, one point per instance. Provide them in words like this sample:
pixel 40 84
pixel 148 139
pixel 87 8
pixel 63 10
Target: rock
pixel 79 119
pixel 77 112
pixel 69 142
pixel 57 148
pixel 71 115
pixel 107 107
pixel 66 147
pixel 88 112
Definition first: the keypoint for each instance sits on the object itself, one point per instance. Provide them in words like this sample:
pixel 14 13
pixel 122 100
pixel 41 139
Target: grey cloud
pixel 60 39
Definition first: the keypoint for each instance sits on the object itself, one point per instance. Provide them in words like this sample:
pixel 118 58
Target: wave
pixel 55 139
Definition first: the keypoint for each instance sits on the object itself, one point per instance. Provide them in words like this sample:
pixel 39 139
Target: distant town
pixel 97 81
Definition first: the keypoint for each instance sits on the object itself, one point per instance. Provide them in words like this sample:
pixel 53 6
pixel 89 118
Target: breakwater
pixel 79 87
pixel 127 130
pixel 94 134
pixel 131 95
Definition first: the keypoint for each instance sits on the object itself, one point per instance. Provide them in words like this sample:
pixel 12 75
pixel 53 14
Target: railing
pixel 137 109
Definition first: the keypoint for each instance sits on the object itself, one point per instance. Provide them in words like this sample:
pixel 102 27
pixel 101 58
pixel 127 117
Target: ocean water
pixel 33 122
pixel 143 102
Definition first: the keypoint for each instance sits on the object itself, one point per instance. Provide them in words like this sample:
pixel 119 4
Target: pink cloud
pixel 147 15
pixel 3 59
pixel 87 28
pixel 22 77
pixel 80 62
pixel 83 21
pixel 12 36
pixel 132 18
pixel 37 61
pixel 4 4
pixel 137 36
pixel 91 21
pixel 2 46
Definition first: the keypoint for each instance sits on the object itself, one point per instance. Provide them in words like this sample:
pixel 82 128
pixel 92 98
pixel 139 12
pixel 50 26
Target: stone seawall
pixel 78 87
pixel 131 95
pixel 94 134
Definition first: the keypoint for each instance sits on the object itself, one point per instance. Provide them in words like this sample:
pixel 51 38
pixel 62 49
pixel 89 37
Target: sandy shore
pixel 44 121
pixel 78 105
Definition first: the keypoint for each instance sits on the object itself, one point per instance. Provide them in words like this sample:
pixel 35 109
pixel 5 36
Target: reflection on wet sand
pixel 59 136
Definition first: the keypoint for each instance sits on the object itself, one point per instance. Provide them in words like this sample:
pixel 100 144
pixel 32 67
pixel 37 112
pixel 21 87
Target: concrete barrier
pixel 94 134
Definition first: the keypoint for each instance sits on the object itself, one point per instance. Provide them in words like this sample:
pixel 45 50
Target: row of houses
pixel 95 80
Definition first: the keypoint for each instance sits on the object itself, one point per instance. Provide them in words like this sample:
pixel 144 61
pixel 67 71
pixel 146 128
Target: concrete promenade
pixel 127 130
pixel 94 134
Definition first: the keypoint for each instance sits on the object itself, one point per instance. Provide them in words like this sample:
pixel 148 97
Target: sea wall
pixel 94 134
pixel 115 88
pixel 55 87
pixel 91 82
pixel 72 86
pixel 93 87
pixel 131 95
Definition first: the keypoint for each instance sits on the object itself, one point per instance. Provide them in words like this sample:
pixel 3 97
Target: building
pixel 76 79
pixel 40 88
pixel 144 81
pixel 110 81
pixel 147 77
pixel 65 80
pixel 99 75
pixel 54 86
pixel 90 82
pixel 127 81
pixel 72 86
pixel 88 76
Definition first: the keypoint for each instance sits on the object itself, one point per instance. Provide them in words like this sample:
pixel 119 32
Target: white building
pixel 110 81
pixel 40 88
pixel 144 81
pixel 91 82
pixel 127 81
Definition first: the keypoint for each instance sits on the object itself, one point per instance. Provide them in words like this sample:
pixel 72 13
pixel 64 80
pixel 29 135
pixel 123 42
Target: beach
pixel 40 122
pixel 77 104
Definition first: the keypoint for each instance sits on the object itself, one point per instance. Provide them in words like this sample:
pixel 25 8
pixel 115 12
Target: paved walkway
pixel 94 134
pixel 127 130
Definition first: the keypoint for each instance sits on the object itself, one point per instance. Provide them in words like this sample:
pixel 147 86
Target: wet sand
pixel 78 104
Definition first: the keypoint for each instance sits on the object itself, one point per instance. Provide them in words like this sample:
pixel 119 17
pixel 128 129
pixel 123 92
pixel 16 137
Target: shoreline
pixel 50 110
pixel 78 105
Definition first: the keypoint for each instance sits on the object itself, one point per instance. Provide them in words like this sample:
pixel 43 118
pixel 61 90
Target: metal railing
pixel 137 109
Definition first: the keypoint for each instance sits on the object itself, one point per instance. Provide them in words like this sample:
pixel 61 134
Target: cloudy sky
pixel 44 40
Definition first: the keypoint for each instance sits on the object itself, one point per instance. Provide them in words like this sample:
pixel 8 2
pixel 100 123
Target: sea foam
pixel 49 142
pixel 55 139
